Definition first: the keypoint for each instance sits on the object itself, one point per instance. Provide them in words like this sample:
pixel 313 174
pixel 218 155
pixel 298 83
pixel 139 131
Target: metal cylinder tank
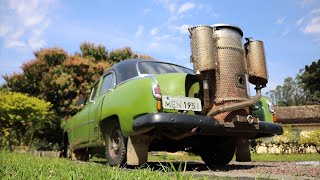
pixel 231 71
pixel 202 48
pixel 256 63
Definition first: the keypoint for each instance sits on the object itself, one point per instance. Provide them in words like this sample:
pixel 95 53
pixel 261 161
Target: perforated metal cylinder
pixel 231 80
pixel 256 63
pixel 202 46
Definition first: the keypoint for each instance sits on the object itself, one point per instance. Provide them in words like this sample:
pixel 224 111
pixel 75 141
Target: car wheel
pixel 218 154
pixel 115 145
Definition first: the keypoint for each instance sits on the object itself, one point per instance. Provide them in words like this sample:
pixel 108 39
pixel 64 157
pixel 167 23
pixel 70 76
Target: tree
pixel 62 85
pixel 304 89
pixel 21 117
pixel 289 94
pixel 90 50
pixel 126 53
pixel 61 79
pixel 310 78
pixel 51 56
pixel 122 54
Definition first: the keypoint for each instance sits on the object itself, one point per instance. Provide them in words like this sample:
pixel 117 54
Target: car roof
pixel 127 69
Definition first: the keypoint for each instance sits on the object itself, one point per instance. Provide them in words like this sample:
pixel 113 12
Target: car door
pixel 108 83
pixel 80 122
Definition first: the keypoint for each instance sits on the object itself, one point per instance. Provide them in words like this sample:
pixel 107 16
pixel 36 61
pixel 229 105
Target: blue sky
pixel 290 29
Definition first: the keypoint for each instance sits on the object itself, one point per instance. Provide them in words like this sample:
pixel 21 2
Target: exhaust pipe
pixel 236 106
pixel 223 63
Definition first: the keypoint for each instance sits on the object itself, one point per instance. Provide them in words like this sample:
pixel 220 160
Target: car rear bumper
pixel 205 125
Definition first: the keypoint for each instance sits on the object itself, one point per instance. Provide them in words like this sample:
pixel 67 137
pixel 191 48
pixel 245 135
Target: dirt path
pixel 251 170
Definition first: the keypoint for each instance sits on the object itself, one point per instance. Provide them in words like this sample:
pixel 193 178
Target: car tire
pixel 218 154
pixel 115 145
pixel 80 154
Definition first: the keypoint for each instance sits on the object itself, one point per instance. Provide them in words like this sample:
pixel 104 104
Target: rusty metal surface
pixel 202 48
pixel 231 81
pixel 256 62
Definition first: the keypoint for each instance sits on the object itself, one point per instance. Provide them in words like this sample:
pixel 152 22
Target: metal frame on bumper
pixel 206 125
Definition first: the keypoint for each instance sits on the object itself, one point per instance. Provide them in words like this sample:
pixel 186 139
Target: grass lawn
pixel 286 157
pixel 25 166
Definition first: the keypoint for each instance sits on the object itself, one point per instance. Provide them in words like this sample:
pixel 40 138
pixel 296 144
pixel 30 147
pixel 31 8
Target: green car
pixel 139 106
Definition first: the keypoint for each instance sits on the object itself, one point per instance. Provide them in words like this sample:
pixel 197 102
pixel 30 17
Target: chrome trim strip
pixel 155 81
pixel 76 127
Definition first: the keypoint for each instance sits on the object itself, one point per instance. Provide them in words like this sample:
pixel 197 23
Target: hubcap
pixel 114 144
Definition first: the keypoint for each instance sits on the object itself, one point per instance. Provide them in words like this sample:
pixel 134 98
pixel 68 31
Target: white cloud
pixel 183 29
pixel 315 11
pixel 308 1
pixel 139 31
pixel 36 42
pixel 147 11
pixel 30 13
pixel 17 34
pixel 281 20
pixel 285 32
pixel 317 41
pixel 186 7
pixel 4 29
pixel 168 38
pixel 309 24
pixel 313 26
pixel 154 31
pixel 163 37
pixel 153 45
pixel 168 5
pixel 14 44
pixel 25 22
pixel 172 7
pixel 300 21
pixel 179 11
pixel 305 3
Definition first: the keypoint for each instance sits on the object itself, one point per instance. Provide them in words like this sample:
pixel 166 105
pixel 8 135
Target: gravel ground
pixel 254 170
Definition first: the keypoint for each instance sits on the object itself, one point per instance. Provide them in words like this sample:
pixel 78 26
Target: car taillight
pixel 275 119
pixel 157 94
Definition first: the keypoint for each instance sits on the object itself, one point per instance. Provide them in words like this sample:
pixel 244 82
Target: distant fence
pixel 25 149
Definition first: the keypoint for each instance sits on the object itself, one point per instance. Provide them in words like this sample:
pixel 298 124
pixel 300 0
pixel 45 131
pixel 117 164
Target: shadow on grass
pixel 190 165
pixel 193 166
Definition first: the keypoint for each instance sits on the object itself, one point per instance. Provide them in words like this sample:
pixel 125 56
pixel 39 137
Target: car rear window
pixel 160 68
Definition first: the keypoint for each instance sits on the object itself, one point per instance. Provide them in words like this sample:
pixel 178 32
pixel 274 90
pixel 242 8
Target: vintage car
pixel 139 106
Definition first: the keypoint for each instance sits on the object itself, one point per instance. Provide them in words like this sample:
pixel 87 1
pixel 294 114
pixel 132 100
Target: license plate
pixel 181 103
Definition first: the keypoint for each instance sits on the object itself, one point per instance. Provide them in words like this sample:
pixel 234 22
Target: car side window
pixel 94 91
pixel 108 83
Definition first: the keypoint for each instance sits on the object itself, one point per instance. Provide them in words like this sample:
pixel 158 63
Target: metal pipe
pixel 206 95
pixel 237 106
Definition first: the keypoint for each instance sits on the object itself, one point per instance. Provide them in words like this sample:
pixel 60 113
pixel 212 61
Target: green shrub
pixel 289 136
pixel 21 117
pixel 311 138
